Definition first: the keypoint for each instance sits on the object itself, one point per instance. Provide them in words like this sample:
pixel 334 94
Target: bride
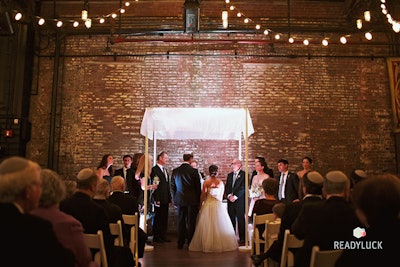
pixel 214 231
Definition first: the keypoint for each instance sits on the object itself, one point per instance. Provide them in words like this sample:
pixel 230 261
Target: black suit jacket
pixel 133 186
pixel 127 202
pixel 185 185
pixel 291 188
pixel 321 224
pixel 239 188
pixel 30 238
pixel 92 216
pixel 163 192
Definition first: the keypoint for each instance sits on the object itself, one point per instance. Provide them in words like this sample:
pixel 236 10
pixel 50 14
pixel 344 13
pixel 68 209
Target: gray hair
pixel 54 189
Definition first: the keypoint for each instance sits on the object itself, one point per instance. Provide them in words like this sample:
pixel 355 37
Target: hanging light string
pixel 395 24
pixel 85 17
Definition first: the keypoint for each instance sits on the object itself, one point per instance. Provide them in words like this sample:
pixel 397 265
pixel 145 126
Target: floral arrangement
pixel 156 180
pixel 255 191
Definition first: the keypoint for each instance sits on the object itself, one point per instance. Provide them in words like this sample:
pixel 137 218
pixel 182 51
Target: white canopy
pixel 196 123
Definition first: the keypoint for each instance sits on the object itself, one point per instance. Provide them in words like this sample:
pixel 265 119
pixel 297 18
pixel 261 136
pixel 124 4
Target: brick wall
pixel 334 109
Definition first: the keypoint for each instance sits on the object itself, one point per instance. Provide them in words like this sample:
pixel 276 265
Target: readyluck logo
pixel 359 244
pixel 359 232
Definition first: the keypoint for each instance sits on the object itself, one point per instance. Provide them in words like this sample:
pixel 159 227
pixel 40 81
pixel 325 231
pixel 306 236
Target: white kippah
pixel 336 177
pixel 13 164
pixel 315 177
pixel 85 174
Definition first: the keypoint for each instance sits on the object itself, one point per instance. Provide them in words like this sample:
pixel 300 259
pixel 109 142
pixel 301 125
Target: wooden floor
pixel 168 255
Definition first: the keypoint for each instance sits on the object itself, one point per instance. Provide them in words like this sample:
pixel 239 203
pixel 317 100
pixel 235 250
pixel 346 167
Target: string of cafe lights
pixel 85 17
pixel 325 42
pixel 395 24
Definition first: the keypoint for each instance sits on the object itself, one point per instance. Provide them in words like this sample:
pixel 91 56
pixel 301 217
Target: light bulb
pixel 291 40
pixel 343 40
pixel 88 23
pixel 325 42
pixel 306 42
pixel 18 16
pixel 59 23
pixel 359 23
pixel 277 36
pixel 75 24
pixel 41 21
pixel 396 27
pixel 84 14
pixel 266 32
pixel 102 20
pixel 224 14
pixel 368 36
pixel 367 15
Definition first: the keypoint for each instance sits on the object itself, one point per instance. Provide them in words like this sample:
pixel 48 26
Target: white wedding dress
pixel 214 231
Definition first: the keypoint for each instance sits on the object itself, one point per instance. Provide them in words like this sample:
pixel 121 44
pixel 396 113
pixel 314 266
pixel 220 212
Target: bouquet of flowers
pixel 255 191
pixel 156 180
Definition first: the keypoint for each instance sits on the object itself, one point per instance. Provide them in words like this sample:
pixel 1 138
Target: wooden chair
pixel 96 241
pixel 133 221
pixel 256 240
pixel 325 258
pixel 116 229
pixel 271 232
pixel 289 241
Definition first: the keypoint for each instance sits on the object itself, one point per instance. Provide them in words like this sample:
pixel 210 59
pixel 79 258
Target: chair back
pixel 133 221
pixel 116 230
pixel 289 241
pixel 96 241
pixel 325 258
pixel 256 240
pixel 271 232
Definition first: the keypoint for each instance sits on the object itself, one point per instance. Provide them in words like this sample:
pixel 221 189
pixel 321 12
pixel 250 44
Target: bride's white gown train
pixel 214 231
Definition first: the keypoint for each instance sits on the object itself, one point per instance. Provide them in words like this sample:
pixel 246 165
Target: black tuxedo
pixel 291 187
pixel 185 187
pixel 237 209
pixel 28 240
pixel 161 198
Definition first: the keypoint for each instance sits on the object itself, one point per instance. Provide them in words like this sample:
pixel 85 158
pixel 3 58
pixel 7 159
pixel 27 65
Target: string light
pixel 395 24
pixel 84 16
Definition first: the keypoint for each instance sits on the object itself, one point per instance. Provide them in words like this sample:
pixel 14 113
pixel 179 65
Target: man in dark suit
pixel 312 188
pixel 94 217
pixel 288 183
pixel 185 187
pixel 128 205
pixel 323 223
pixel 235 190
pixel 161 198
pixel 126 172
pixel 26 240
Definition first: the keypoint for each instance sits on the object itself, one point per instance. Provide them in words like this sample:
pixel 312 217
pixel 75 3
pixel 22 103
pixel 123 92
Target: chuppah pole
pixel 247 246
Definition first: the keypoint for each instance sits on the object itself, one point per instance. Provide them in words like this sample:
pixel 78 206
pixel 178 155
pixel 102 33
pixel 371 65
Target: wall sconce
pixel 191 16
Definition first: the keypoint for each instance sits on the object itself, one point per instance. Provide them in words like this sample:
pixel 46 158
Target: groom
pixel 235 193
pixel 185 187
